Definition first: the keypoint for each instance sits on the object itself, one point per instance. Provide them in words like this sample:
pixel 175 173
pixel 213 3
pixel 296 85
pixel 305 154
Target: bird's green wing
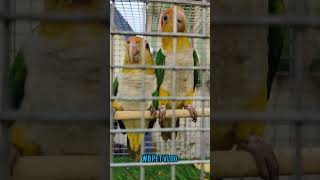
pixel 155 102
pixel 276 42
pixel 115 85
pixel 197 72
pixel 160 61
pixel 17 78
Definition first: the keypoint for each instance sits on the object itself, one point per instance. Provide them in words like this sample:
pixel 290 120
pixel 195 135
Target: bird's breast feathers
pixel 184 78
pixel 131 85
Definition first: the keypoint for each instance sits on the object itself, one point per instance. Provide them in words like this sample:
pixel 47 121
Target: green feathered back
pixel 17 78
pixel 115 85
pixel 197 72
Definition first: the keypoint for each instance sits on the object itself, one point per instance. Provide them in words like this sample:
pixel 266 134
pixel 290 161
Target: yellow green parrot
pixel 242 79
pixel 185 79
pixel 57 69
pixel 129 83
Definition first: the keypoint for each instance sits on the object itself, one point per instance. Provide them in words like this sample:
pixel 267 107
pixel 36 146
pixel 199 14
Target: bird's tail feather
pixel 167 124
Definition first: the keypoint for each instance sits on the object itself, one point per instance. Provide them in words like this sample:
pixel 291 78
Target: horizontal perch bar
pixel 172 98
pixel 57 167
pixel 160 67
pixel 72 118
pixel 241 163
pixel 159 130
pixel 179 113
pixel 70 167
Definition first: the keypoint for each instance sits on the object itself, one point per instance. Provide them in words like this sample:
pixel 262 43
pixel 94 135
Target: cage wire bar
pixel 297 7
pixel 202 144
pixel 173 89
pixel 4 65
pixel 142 119
pixel 111 77
pixel 105 170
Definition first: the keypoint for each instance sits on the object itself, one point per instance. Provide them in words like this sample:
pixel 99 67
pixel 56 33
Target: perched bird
pixel 129 83
pixel 57 69
pixel 186 80
pixel 242 79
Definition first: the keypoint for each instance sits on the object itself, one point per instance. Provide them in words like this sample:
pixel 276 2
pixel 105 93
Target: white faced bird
pixel 129 83
pixel 186 80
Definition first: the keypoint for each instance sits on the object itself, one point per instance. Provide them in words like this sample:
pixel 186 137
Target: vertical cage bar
pixel 297 7
pixel 14 28
pixel 173 87
pixel 30 10
pixel 202 62
pixel 142 106
pixel 297 98
pixel 111 82
pixel 4 126
pixel 104 106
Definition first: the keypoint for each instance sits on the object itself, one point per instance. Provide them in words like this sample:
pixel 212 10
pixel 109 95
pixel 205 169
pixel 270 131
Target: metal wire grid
pixel 202 47
pixel 151 33
pixel 134 13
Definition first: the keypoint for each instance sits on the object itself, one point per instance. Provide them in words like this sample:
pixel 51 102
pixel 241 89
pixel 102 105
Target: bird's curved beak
pixel 133 53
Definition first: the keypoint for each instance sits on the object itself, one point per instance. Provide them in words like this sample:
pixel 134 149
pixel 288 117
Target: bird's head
pixel 167 20
pixel 73 5
pixel 134 49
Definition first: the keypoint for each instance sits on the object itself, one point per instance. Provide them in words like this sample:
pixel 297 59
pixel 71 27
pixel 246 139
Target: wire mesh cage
pixel 143 19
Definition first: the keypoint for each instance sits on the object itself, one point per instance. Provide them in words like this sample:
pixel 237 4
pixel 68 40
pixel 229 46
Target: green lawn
pixel 188 172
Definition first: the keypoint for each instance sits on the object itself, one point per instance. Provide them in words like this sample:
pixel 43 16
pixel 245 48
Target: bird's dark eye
pixel 165 18
pixel 147 45
pixel 128 42
pixel 179 21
